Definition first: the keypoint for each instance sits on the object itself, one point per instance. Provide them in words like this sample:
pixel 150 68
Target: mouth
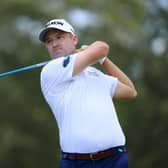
pixel 57 52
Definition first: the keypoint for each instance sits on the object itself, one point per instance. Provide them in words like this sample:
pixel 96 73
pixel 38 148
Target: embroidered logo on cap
pixel 54 23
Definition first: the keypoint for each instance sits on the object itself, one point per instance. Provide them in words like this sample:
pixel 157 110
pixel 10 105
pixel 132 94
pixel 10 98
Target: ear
pixel 75 39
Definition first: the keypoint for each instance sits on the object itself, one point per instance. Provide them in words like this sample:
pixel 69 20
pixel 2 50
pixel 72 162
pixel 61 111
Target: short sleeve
pixel 112 84
pixel 109 82
pixel 57 71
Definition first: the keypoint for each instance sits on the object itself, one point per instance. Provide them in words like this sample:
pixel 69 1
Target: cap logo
pixel 54 23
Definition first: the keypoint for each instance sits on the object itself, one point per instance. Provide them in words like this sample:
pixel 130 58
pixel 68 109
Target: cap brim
pixel 44 32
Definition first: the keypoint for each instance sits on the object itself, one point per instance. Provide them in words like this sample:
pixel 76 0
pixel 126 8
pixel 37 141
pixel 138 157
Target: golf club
pixel 23 69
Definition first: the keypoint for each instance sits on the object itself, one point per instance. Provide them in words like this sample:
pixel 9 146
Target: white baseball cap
pixel 59 24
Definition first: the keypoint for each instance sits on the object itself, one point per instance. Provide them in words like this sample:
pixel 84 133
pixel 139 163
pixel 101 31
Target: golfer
pixel 81 99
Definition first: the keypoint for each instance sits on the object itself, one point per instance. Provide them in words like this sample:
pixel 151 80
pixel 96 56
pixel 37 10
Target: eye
pixel 60 37
pixel 48 41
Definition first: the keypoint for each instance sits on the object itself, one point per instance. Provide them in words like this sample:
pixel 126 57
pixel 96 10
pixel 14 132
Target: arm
pixel 125 88
pixel 90 55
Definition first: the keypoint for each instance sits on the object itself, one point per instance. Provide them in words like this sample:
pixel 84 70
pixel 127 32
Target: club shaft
pixel 26 68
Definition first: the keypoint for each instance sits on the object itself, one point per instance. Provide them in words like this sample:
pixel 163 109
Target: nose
pixel 54 43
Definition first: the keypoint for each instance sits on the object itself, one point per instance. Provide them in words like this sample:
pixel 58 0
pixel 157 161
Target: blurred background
pixel 137 33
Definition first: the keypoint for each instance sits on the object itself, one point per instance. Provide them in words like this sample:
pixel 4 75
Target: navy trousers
pixel 118 160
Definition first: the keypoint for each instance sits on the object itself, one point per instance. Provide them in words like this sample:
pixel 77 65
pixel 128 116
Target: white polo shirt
pixel 82 106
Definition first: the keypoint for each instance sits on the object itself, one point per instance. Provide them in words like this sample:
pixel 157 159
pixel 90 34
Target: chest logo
pixel 92 73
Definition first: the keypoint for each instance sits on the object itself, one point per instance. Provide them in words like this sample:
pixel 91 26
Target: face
pixel 59 43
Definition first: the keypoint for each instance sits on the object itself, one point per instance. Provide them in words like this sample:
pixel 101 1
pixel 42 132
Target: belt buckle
pixel 92 156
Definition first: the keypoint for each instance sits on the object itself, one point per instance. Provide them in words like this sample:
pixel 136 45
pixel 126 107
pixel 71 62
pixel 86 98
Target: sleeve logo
pixel 66 61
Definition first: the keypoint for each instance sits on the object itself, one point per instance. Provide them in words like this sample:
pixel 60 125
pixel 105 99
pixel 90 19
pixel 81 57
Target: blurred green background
pixel 136 31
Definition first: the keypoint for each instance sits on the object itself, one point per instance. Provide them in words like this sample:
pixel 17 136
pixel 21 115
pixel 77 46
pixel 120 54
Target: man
pixel 80 97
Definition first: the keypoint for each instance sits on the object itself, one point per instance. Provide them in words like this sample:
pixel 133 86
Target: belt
pixel 94 156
